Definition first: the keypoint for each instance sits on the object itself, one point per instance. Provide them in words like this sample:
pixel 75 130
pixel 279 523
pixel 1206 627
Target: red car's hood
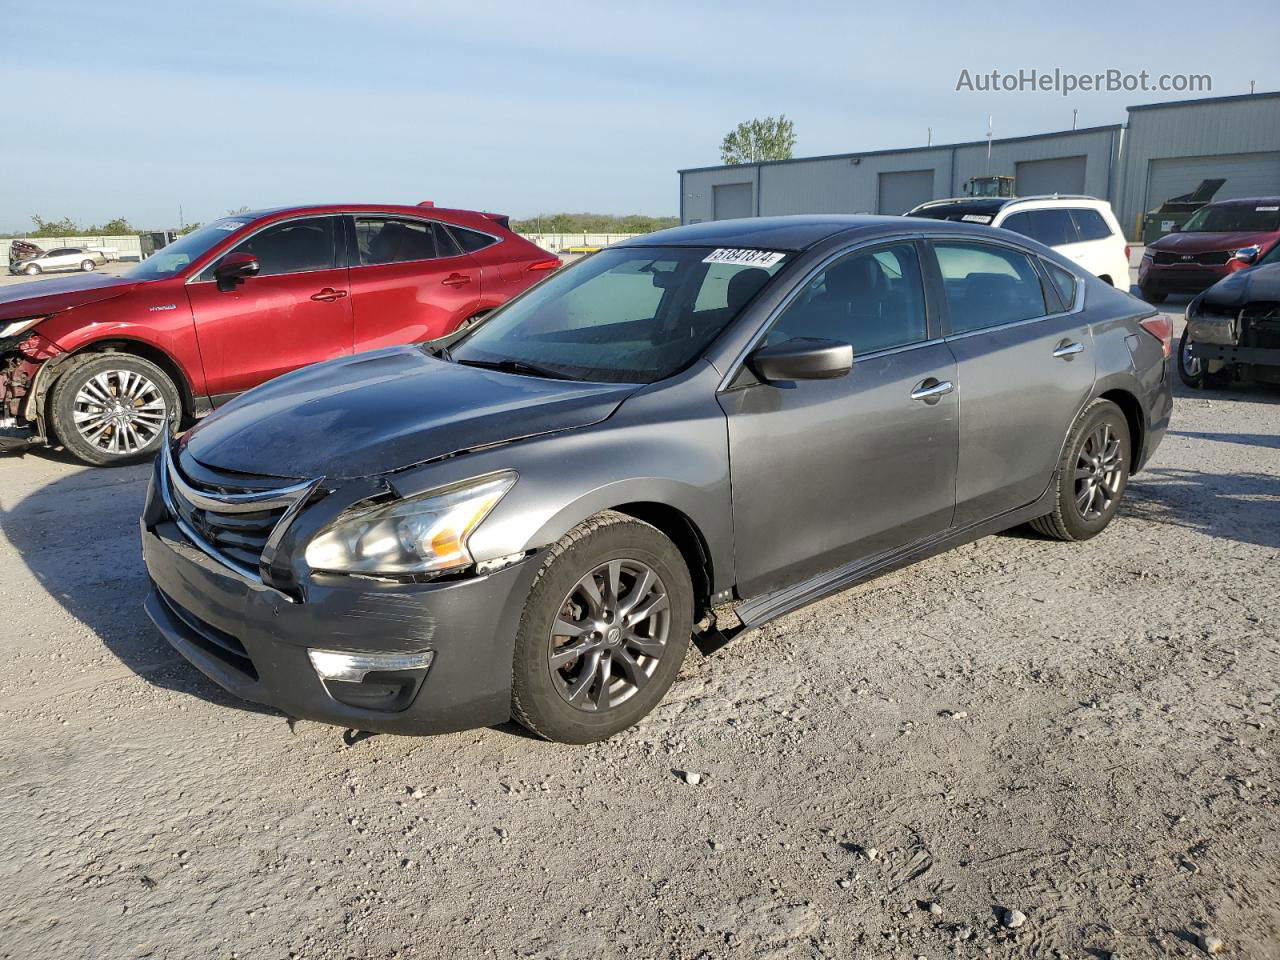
pixel 37 297
pixel 1204 242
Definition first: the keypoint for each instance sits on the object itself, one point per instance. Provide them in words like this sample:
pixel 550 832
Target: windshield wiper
pixel 516 366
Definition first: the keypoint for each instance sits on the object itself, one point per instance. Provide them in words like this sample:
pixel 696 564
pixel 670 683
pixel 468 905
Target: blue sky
pixel 530 107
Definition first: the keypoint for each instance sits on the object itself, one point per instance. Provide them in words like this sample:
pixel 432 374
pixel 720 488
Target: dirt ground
pixel 1085 734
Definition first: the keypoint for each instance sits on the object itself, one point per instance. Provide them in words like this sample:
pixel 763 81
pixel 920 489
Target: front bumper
pixel 1173 278
pixel 1230 353
pixel 253 640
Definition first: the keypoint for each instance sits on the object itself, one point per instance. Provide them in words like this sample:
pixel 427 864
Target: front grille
pixel 235 518
pixel 1260 325
pixel 1211 258
pixel 217 643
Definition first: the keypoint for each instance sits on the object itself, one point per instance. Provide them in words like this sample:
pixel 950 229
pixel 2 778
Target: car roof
pixel 791 233
pixel 1244 202
pixel 993 205
pixel 404 209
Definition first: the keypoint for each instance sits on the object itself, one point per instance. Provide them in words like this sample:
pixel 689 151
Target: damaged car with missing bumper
pixel 1233 329
pixel 683 436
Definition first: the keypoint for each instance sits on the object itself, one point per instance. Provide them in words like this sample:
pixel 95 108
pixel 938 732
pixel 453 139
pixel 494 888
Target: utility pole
pixel 1073 117
pixel 181 223
pixel 990 122
pixel 1251 88
pixel 930 139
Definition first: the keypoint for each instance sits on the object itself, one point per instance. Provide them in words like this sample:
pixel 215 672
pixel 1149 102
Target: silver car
pixel 62 258
pixel 681 437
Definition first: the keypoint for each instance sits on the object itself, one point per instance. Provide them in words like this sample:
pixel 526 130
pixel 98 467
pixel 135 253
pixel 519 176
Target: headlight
pixel 425 534
pixel 15 327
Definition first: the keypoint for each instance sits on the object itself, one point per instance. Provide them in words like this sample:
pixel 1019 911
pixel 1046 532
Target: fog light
pixel 340 665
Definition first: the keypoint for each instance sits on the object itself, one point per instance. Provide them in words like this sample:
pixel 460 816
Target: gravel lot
pixel 1084 734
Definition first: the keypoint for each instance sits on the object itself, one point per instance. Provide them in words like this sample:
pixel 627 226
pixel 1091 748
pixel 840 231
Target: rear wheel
pixel 604 631
pixel 87 265
pixel 113 408
pixel 1092 475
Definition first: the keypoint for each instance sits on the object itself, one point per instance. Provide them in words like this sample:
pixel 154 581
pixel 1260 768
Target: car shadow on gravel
pixel 1241 506
pixel 78 536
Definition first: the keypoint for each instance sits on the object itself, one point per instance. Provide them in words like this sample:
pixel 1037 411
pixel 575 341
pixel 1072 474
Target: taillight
pixel 1160 327
pixel 544 264
pixel 1126 251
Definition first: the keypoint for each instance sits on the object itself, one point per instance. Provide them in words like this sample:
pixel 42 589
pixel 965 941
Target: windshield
pixel 167 261
pixel 1235 218
pixel 624 315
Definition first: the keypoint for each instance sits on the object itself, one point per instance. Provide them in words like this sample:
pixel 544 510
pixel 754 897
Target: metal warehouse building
pixel 1164 150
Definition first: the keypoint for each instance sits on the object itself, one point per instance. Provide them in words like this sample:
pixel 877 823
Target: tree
pixel 759 139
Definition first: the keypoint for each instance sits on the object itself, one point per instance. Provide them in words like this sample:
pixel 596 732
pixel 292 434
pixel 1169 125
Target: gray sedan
pixel 62 258
pixel 681 437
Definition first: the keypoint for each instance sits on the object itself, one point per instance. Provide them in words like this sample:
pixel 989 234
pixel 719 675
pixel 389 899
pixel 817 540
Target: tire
pixel 1101 426
pixel 1152 295
pixel 542 691
pixel 113 408
pixel 87 265
pixel 32 269
pixel 1194 373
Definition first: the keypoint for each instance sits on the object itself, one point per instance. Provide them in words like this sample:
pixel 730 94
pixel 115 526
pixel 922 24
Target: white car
pixel 1082 228
pixel 62 258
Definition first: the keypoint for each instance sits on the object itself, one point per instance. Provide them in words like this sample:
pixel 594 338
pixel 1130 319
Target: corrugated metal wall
pixel 1225 126
pixel 1116 161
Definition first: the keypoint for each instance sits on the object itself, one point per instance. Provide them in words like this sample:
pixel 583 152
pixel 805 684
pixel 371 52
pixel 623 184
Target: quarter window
pixel 1090 224
pixel 1063 282
pixel 872 300
pixel 987 285
pixel 295 246
pixel 472 240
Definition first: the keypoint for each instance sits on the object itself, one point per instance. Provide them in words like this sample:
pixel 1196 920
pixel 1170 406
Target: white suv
pixel 1082 228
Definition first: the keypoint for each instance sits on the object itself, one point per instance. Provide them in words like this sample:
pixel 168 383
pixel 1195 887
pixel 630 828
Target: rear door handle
pixel 456 279
pixel 1068 349
pixel 328 295
pixel 932 390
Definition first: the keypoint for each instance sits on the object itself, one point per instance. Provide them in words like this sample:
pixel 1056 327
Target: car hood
pixel 1245 286
pixel 1205 242
pixel 37 297
pixel 379 412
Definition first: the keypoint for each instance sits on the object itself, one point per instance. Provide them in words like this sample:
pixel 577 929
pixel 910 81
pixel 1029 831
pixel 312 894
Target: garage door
pixel 901 191
pixel 732 200
pixel 1247 175
pixel 1059 175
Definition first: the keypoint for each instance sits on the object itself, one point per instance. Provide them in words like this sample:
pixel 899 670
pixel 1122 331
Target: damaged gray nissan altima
pixel 683 436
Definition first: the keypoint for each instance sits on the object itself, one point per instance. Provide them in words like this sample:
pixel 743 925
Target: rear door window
pixel 1053 228
pixel 382 240
pixel 1090 225
pixel 988 285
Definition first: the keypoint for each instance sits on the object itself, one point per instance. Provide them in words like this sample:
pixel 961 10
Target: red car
pixel 1200 253
pixel 101 363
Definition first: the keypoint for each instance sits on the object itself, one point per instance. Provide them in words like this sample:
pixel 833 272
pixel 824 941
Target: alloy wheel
pixel 1099 472
pixel 610 635
pixel 120 411
pixel 1191 364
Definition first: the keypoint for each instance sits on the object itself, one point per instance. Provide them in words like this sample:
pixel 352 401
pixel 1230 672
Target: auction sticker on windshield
pixel 746 258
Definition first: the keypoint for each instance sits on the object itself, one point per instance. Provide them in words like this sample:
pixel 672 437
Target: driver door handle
pixel 456 279
pixel 328 295
pixel 932 390
pixel 1068 349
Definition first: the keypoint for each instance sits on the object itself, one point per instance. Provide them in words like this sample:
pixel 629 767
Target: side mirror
pixel 233 269
pixel 1176 228
pixel 1247 255
pixel 803 358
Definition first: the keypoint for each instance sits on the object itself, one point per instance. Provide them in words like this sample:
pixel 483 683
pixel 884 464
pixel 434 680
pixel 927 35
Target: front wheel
pixel 1193 371
pixel 604 631
pixel 113 408
pixel 31 270
pixel 1092 475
